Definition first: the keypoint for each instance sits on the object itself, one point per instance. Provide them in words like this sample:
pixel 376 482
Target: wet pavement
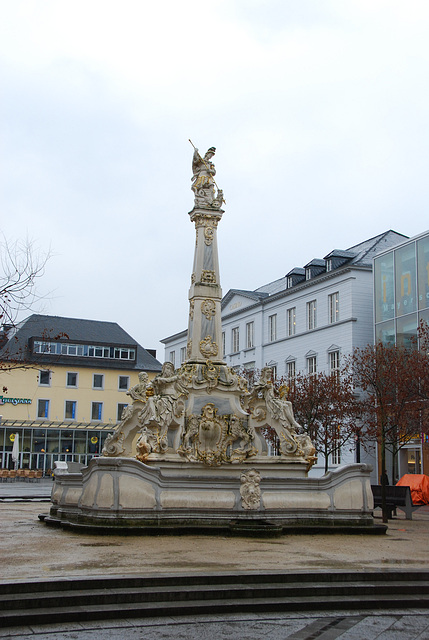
pixel 29 549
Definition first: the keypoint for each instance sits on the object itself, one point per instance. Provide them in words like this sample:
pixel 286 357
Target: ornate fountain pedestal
pixel 193 452
pixel 125 495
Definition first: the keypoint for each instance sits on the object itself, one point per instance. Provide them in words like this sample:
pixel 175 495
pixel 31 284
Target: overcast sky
pixel 318 110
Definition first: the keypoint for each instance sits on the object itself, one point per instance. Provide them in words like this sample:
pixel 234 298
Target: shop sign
pixel 14 401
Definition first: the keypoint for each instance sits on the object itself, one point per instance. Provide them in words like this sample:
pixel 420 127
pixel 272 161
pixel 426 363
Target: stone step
pixel 205 579
pixel 82 599
pixel 182 593
pixel 98 611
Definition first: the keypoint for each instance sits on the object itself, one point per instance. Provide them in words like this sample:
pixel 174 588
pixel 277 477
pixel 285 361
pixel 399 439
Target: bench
pixel 395 497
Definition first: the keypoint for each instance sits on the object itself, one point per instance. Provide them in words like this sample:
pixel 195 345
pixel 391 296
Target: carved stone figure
pixel 162 410
pixel 138 392
pixel 250 490
pixel 245 434
pixel 307 447
pixel 143 444
pixel 211 435
pixel 115 444
pixel 203 184
pixel 279 412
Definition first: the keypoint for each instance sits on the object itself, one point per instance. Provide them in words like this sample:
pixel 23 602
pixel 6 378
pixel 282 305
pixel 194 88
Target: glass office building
pixel 401 291
pixel 401 301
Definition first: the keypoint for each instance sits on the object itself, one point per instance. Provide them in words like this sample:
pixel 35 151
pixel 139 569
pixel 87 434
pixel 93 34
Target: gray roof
pixel 71 330
pixel 367 250
pixel 253 295
pixel 340 253
pixel 316 262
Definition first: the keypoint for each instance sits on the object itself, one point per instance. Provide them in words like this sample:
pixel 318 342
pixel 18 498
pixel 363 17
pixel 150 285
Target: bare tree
pixel 21 266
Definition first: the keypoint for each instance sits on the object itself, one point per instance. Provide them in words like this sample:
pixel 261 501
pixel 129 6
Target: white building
pixel 307 321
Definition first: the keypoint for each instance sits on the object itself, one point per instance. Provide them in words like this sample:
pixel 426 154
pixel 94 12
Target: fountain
pixel 191 454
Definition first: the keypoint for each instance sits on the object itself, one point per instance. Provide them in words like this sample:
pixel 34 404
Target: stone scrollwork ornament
pixel 250 490
pixel 113 445
pixel 208 348
pixel 213 439
pixel 208 276
pixel 208 235
pixel 208 308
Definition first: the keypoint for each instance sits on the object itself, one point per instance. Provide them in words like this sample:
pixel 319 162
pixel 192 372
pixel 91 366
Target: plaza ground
pixel 29 550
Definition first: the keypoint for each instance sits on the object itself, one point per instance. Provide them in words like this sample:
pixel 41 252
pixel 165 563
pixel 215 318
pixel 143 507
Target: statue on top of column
pixel 203 182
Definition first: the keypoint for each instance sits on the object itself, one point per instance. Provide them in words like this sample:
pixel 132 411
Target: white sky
pixel 318 110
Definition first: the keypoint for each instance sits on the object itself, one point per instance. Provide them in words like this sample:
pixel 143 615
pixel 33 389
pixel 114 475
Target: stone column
pixel 205 293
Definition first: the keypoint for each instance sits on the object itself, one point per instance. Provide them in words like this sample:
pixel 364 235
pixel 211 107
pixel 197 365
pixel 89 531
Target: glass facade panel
pixel 39 440
pixel 424 315
pixel 406 331
pixel 26 440
pixel 94 442
pixel 423 272
pixel 405 279
pixel 52 441
pixel 384 288
pixel 385 332
pixel 10 435
pixel 80 445
pixel 67 441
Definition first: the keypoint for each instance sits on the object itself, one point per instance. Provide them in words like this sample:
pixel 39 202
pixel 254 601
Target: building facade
pixel 72 390
pixel 401 302
pixel 306 321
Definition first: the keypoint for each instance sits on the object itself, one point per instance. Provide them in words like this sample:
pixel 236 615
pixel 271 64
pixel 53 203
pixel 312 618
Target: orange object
pixel 419 485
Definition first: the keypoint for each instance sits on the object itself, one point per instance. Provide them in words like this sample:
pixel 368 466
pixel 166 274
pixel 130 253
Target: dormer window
pixel 307 274
pixel 329 265
pixel 289 282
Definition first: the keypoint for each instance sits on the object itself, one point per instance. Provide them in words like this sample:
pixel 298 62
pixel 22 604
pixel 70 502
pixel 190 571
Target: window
pixel 272 327
pixel 291 369
pixel 289 282
pixel 329 265
pixel 182 355
pixel 43 408
pixel 235 339
pixel 173 358
pixel 250 335
pixel 96 410
pixel 308 274
pixel 311 365
pixel 274 370
pixel 311 315
pixel 334 307
pixel 291 321
pixel 71 380
pixel 334 361
pixel 98 381
pixel 124 383
pixel 121 407
pixel 45 378
pixel 70 410
pixel 336 455
pixel 85 350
